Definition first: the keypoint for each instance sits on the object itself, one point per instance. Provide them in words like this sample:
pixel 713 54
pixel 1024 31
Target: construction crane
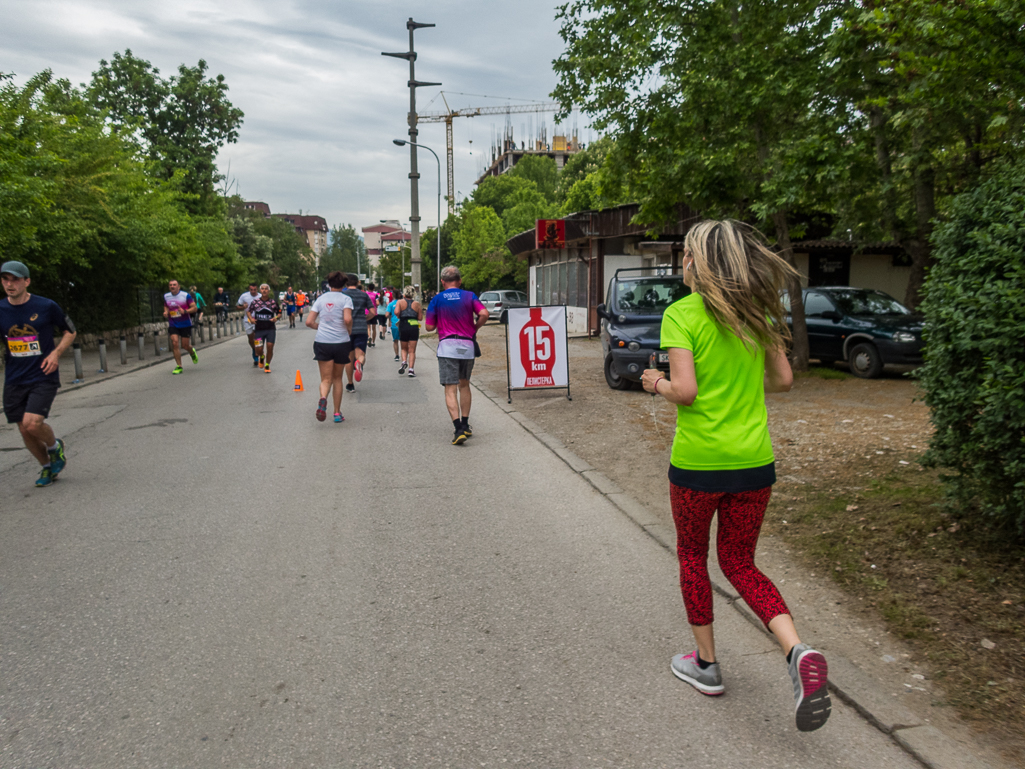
pixel 449 113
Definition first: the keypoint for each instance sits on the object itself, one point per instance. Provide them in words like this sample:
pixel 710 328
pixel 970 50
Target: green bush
pixel 974 375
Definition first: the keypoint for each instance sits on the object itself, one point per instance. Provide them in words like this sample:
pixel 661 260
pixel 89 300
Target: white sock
pixel 54 447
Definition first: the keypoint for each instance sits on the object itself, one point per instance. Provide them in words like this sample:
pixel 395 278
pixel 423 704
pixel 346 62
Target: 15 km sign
pixel 536 349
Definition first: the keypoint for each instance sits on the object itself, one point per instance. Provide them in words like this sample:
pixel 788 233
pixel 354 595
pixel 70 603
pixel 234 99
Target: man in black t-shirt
pixel 31 375
pixel 263 313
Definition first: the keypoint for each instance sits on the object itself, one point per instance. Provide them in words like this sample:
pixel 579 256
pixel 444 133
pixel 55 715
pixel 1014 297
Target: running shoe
pixel 261 364
pixel 707 681
pixel 57 458
pixel 809 672
pixel 339 417
pixel 349 388
pixel 322 410
pixel 358 368
pixel 459 438
pixel 192 352
pixel 397 358
pixel 45 477
pixel 468 430
pixel 266 368
pixel 412 374
pixel 403 367
pixel 177 370
pixel 256 359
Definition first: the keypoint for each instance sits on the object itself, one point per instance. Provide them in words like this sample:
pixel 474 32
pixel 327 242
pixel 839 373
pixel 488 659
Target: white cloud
pixel 321 104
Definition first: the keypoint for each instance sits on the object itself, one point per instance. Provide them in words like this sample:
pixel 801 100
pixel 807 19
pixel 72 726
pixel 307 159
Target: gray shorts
pixel 451 370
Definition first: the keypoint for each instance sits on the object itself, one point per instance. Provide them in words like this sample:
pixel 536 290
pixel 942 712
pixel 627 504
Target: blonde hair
pixel 740 281
pixel 408 292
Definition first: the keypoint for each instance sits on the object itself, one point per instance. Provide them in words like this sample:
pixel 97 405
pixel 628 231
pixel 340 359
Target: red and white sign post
pixel 537 354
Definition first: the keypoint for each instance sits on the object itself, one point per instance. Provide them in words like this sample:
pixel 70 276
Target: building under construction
pixel 505 153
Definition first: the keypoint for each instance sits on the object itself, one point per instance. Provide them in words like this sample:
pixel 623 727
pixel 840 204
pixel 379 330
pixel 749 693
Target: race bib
pixel 176 313
pixel 24 346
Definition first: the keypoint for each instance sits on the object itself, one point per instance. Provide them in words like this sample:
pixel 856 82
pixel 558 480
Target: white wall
pixel 877 271
pixel 615 262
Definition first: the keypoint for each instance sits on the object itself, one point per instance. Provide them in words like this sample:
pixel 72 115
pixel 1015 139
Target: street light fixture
pixel 437 255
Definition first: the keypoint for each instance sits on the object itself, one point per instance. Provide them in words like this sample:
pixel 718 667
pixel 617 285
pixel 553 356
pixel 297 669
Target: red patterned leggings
pixel 740 519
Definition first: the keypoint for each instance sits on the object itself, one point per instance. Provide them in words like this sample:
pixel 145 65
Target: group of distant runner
pixel 348 318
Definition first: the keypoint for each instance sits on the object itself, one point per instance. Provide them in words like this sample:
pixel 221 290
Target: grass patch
pixel 941 583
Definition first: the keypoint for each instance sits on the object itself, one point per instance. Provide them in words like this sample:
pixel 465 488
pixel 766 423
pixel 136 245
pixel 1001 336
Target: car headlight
pixel 621 319
pixel 633 346
pixel 903 336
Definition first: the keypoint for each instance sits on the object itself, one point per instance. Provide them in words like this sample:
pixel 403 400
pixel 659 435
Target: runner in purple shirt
pixel 457 315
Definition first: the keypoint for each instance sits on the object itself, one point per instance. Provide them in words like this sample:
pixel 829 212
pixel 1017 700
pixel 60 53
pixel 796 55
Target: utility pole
pixel 414 176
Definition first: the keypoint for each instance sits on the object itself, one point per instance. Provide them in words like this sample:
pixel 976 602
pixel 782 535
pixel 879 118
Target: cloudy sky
pixel 321 104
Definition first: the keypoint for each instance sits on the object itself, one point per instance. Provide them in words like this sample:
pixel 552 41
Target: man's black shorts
pixel 34 398
pixel 184 333
pixel 359 341
pixel 336 352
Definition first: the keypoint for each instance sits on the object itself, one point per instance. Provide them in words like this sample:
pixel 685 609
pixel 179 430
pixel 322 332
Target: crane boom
pixel 446 118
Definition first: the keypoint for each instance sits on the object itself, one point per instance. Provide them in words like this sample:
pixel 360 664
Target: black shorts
pixel 33 398
pixel 270 334
pixel 359 341
pixel 408 333
pixel 336 352
pixel 382 320
pixel 184 333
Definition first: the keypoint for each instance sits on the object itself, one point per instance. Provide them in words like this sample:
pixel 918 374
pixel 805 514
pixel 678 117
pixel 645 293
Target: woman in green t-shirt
pixel 727 348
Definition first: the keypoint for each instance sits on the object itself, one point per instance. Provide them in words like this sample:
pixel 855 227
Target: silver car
pixel 497 302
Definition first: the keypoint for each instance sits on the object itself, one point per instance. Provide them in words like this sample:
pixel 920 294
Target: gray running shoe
pixel 809 672
pixel 403 367
pixel 707 681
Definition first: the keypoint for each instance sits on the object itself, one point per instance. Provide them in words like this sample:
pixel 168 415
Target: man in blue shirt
pixel 31 375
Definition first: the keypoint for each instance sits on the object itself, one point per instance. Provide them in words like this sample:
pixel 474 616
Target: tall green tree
pixel 934 91
pixel 181 122
pixel 710 103
pixel 481 253
pixel 80 209
pixel 345 252
pixel 539 169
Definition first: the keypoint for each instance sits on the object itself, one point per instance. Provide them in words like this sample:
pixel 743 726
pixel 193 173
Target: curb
pixel 925 743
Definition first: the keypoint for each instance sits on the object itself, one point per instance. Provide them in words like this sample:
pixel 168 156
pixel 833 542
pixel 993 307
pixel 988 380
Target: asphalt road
pixel 220 580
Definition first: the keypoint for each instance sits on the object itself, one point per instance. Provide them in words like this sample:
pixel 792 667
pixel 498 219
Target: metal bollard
pixel 124 350
pixel 142 341
pixel 79 376
pixel 218 324
pixel 103 356
pixel 156 343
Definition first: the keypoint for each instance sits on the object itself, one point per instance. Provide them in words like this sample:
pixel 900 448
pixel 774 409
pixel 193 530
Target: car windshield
pixel 867 302
pixel 648 294
pixel 491 296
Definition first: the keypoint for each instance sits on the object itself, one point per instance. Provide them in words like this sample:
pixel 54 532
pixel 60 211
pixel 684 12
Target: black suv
pixel 865 327
pixel 631 325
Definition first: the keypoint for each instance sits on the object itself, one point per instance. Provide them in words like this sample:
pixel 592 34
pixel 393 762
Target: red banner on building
pixel 551 233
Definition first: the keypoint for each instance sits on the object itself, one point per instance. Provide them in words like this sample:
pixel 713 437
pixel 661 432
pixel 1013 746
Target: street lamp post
pixel 437 255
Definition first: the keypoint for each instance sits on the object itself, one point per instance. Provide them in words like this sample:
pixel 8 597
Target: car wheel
pixel 612 377
pixel 865 361
pixel 503 318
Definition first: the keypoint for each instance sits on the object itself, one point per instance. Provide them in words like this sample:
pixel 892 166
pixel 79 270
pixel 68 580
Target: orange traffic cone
pixel 298 381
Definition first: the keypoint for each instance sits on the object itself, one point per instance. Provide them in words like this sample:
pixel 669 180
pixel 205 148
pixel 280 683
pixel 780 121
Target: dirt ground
pixel 847 454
